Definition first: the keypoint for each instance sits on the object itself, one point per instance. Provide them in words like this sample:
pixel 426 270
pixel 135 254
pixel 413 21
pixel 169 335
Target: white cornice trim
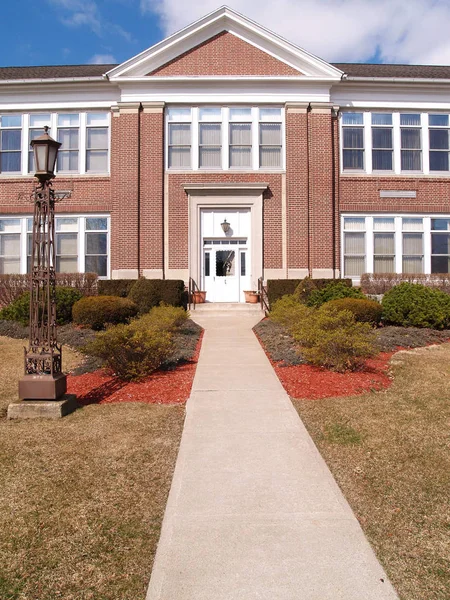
pixel 189 187
pixel 100 79
pixel 403 80
pixel 211 78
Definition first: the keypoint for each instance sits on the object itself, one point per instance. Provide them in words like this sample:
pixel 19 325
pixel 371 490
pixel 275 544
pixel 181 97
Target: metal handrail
pixel 191 289
pixel 263 298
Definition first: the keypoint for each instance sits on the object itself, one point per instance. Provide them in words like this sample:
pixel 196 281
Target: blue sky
pixel 83 31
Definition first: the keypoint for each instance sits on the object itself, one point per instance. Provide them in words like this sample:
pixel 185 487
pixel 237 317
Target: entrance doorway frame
pixel 226 196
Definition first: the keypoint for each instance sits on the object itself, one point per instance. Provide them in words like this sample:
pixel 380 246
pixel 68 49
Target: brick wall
pixel 178 214
pixel 225 54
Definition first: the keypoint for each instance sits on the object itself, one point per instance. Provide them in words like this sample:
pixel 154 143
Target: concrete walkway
pixel 253 512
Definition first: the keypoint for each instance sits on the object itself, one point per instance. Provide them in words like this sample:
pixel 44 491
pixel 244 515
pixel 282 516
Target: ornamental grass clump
pixel 415 305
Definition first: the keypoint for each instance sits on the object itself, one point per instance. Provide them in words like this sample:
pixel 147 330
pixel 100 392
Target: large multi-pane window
pixel 439 142
pixel 10 143
pixel 210 138
pixel 10 230
pixel 81 244
pixel 353 141
pixel 84 138
pixel 179 138
pixel 440 245
pixel 382 142
pixel 395 142
pixel 223 138
pixel 395 244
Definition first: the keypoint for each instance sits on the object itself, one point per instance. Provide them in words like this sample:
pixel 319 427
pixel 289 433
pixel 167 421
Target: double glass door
pixel 226 270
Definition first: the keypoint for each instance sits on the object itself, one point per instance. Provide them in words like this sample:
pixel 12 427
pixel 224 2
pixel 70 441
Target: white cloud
pixel 102 59
pixel 337 30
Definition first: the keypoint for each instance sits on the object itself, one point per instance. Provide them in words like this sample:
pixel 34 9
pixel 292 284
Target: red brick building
pixel 225 153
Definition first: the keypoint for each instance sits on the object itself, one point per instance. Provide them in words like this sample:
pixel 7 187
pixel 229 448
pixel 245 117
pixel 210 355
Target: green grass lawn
pixel 83 497
pixel 390 454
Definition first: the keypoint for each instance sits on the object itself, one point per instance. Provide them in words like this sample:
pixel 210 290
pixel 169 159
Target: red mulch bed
pixel 312 383
pixel 162 387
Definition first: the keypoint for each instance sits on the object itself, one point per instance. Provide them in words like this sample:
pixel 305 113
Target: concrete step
pixel 229 309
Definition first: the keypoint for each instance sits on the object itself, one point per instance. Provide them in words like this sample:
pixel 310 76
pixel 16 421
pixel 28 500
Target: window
pixel 270 138
pixel 210 138
pixel 240 138
pixel 440 245
pixel 412 249
pixel 36 129
pixel 354 246
pixel 179 138
pixel 353 141
pixel 81 244
pixel 96 258
pixel 10 245
pixel 223 138
pixel 96 142
pixel 69 136
pixel 382 142
pixel 411 145
pixel 10 143
pixel 439 142
pixel 383 245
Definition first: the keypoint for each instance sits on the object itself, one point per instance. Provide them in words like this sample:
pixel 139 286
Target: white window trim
pixel 81 238
pixel 369 231
pixel 396 137
pixel 25 134
pixel 255 121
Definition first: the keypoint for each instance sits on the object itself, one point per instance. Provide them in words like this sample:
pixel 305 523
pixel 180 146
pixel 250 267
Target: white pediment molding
pixel 224 19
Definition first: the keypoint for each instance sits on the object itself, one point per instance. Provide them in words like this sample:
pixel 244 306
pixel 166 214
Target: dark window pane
pixel 352 118
pixel 96 243
pixel 353 159
pixel 96 264
pixel 438 120
pixel 225 263
pixel 10 161
pixel 438 139
pixel 410 119
pixel 440 224
pixel 242 264
pixel 381 138
pixel 382 160
pixel 96 223
pixel 353 137
pixel 438 161
pixel 11 139
pixel 381 119
pixel 440 243
pixel 410 139
pixel 411 160
pixel 440 264
pixel 207 264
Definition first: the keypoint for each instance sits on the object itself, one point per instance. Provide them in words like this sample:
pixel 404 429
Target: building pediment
pixel 224 44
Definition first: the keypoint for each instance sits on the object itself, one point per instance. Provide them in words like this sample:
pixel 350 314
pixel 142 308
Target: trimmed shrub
pixel 165 317
pixel 132 351
pixel 363 309
pixel 97 311
pixel 13 286
pixel 334 290
pixel 380 283
pixel 147 293
pixel 415 305
pixel 288 310
pixel 115 287
pixel 277 288
pixel 19 310
pixel 333 339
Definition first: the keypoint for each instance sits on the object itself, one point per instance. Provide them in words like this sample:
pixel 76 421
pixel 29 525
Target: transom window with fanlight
pixel 81 244
pixel 412 244
pixel 245 138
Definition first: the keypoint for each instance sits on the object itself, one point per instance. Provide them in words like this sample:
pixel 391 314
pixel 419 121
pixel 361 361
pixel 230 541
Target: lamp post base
pixel 42 409
pixel 42 387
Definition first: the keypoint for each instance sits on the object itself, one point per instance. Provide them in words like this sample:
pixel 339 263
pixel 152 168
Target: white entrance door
pixel 225 270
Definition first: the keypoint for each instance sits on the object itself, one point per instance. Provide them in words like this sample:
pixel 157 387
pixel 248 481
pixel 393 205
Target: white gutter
pixel 100 78
pixel 214 78
pixel 395 79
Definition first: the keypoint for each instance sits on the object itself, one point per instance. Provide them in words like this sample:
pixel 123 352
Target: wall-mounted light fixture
pixel 225 226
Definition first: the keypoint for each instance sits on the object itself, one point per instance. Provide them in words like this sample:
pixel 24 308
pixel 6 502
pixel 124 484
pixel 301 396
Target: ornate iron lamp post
pixel 43 378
